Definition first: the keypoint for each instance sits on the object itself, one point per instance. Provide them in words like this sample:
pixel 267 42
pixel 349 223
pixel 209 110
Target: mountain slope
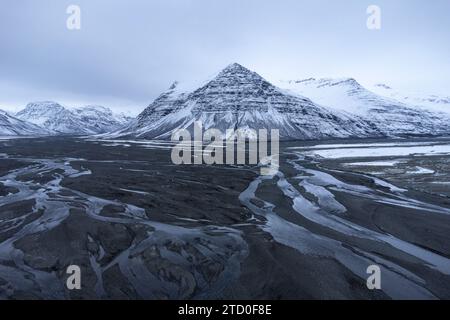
pixel 391 117
pixel 240 98
pixel 11 126
pixel 423 101
pixel 60 120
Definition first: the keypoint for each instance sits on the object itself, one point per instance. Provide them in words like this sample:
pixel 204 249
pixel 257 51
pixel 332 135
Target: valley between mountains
pixel 364 179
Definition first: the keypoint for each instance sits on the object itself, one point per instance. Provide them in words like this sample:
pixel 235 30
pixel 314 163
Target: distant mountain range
pixel 52 118
pixel 239 98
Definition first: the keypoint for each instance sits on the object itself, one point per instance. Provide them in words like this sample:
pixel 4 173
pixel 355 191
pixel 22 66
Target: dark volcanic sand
pixel 141 227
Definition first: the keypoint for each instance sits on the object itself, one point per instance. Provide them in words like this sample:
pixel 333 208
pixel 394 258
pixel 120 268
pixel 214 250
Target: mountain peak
pixel 40 109
pixel 43 105
pixel 236 75
pixel 235 68
pixel 173 85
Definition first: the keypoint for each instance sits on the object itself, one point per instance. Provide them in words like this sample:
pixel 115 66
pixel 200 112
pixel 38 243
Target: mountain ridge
pixel 236 97
pixel 391 116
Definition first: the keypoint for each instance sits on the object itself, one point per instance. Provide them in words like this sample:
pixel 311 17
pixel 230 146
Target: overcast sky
pixel 129 51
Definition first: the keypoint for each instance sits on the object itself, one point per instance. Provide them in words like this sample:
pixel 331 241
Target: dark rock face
pixel 166 103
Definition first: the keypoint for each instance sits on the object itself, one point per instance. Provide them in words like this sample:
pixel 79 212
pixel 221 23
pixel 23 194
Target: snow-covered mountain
pixel 390 116
pixel 430 102
pixel 99 119
pixel 240 98
pixel 11 126
pixel 50 115
pixel 61 120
